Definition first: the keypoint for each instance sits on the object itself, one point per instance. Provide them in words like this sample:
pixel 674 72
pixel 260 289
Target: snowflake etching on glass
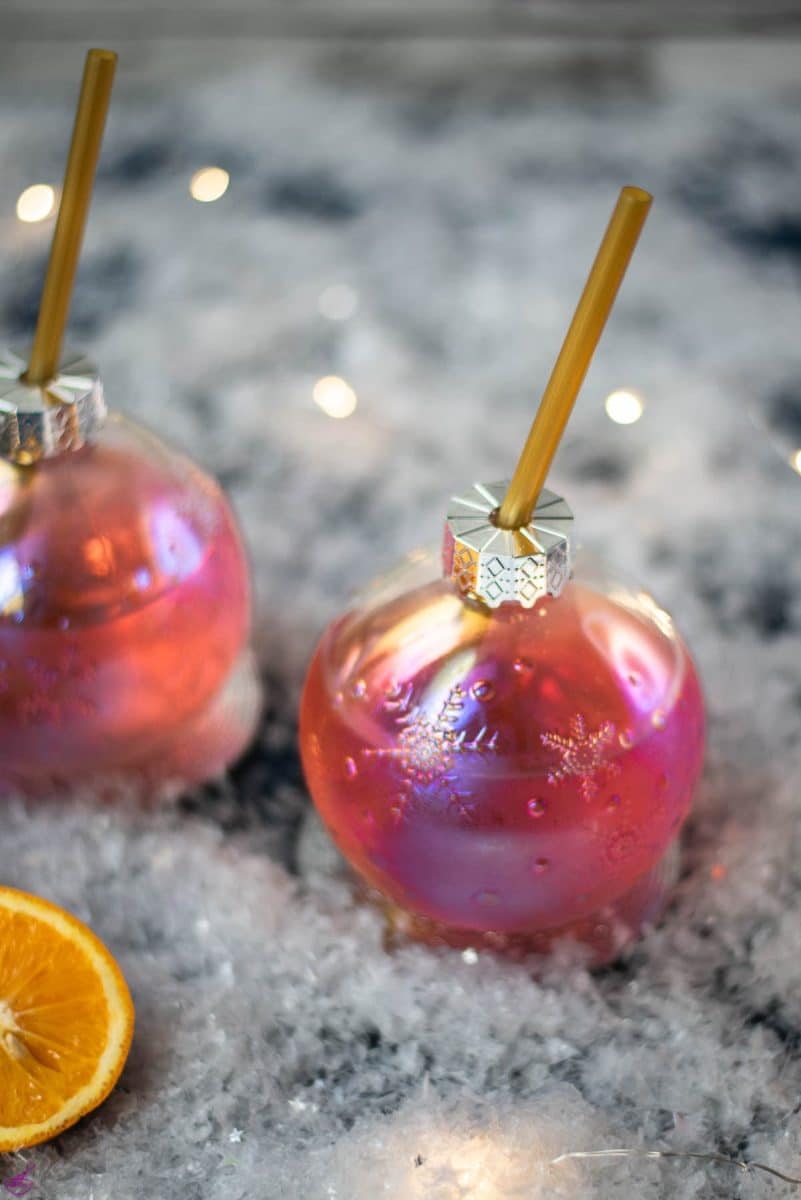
pixel 584 753
pixel 427 747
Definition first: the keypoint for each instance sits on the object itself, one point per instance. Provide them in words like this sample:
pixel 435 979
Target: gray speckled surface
pixel 460 191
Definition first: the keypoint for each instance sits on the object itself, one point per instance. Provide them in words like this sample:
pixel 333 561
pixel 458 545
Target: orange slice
pixel 66 1020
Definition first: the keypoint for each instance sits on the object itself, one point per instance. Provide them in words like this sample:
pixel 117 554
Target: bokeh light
pixel 338 302
pixel 36 203
pixel 624 407
pixel 209 183
pixel 334 396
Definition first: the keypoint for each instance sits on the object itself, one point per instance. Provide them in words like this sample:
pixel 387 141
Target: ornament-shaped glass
pixel 124 598
pixel 512 775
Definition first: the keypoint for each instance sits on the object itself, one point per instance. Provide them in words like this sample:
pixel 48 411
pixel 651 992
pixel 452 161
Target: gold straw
pixel 76 195
pixel 575 356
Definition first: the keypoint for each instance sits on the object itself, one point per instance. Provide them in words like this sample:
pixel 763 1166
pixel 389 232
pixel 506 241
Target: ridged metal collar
pixel 502 566
pixel 41 422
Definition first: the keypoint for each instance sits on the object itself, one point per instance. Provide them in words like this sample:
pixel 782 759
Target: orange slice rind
pixel 66 1020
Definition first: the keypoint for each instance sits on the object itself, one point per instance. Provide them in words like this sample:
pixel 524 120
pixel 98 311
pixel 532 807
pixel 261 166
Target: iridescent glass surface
pixel 516 773
pixel 124 617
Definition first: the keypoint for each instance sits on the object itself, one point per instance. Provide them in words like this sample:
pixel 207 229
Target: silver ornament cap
pixel 39 422
pixel 507 566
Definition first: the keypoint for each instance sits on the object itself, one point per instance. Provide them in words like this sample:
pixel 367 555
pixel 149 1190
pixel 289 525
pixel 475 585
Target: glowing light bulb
pixel 795 461
pixel 335 397
pixel 36 203
pixel 208 184
pixel 624 407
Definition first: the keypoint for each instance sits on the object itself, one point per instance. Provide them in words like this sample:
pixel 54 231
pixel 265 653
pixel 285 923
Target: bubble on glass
pixel 621 845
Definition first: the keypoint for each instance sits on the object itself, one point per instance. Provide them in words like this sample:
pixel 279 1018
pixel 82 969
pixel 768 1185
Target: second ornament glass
pixel 124 597
pixel 124 587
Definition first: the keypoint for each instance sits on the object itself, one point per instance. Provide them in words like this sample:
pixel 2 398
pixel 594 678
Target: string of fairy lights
pixel 338 302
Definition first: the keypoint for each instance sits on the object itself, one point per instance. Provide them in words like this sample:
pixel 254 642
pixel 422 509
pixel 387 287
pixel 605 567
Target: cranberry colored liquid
pixel 124 609
pixel 517 773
